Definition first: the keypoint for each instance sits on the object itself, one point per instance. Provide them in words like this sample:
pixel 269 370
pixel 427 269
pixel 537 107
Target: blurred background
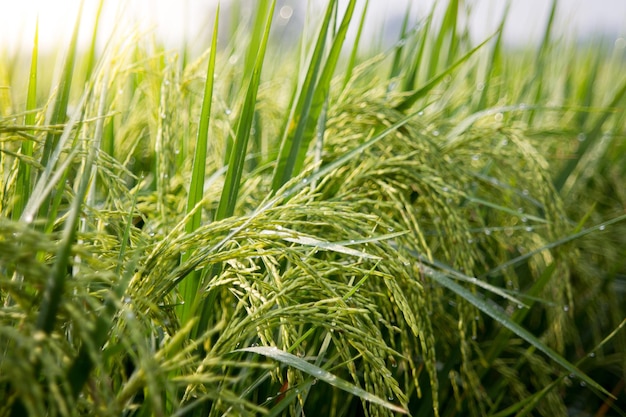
pixel 174 21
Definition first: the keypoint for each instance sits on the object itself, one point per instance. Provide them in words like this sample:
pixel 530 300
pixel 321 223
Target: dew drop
pixel 581 137
pixel 592 355
pixel 352 241
pixel 525 192
pixel 390 229
pixel 524 219
pixel 228 111
pixel 566 308
pixel 499 117
pixel 435 133
pixel 475 157
pixel 529 228
pixel 470 240
pixel 583 384
pixel 487 231
pixel 602 227
pixel 127 300
pixel 421 113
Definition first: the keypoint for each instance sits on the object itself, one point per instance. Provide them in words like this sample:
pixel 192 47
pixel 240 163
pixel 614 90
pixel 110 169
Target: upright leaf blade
pixel 189 287
pixel 228 199
pixel 412 99
pixel 24 176
pixel 294 130
pixel 58 116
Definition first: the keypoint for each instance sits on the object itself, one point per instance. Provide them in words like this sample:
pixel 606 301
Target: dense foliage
pixel 315 229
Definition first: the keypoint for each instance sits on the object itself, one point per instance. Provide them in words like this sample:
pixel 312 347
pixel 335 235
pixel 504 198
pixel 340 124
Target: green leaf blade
pixel 321 374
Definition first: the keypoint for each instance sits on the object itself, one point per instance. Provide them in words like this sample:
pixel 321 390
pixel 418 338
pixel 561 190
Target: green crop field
pixel 317 228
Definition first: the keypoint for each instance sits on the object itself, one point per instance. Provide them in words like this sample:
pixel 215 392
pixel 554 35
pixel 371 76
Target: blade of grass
pixel 411 75
pixel 301 128
pixel 413 98
pixel 255 42
pixel 494 63
pixel 320 99
pixel 554 244
pixel 401 45
pixel 294 128
pixel 295 237
pixel 189 287
pixel 49 208
pixel 56 281
pixel 59 112
pixel 355 48
pixel 508 323
pixel 447 32
pixel 24 177
pixel 47 180
pixel 228 199
pixel 91 55
pixel 321 374
pixel 594 135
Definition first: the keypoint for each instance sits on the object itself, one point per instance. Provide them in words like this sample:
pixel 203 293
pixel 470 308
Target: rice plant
pixel 321 228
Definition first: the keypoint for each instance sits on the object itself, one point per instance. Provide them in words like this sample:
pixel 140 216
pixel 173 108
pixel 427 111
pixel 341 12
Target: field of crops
pixel 315 228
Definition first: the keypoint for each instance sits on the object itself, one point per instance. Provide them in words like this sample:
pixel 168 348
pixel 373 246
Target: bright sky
pixel 170 18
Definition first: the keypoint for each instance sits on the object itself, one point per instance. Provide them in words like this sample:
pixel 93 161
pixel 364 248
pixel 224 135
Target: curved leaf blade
pixel 321 374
